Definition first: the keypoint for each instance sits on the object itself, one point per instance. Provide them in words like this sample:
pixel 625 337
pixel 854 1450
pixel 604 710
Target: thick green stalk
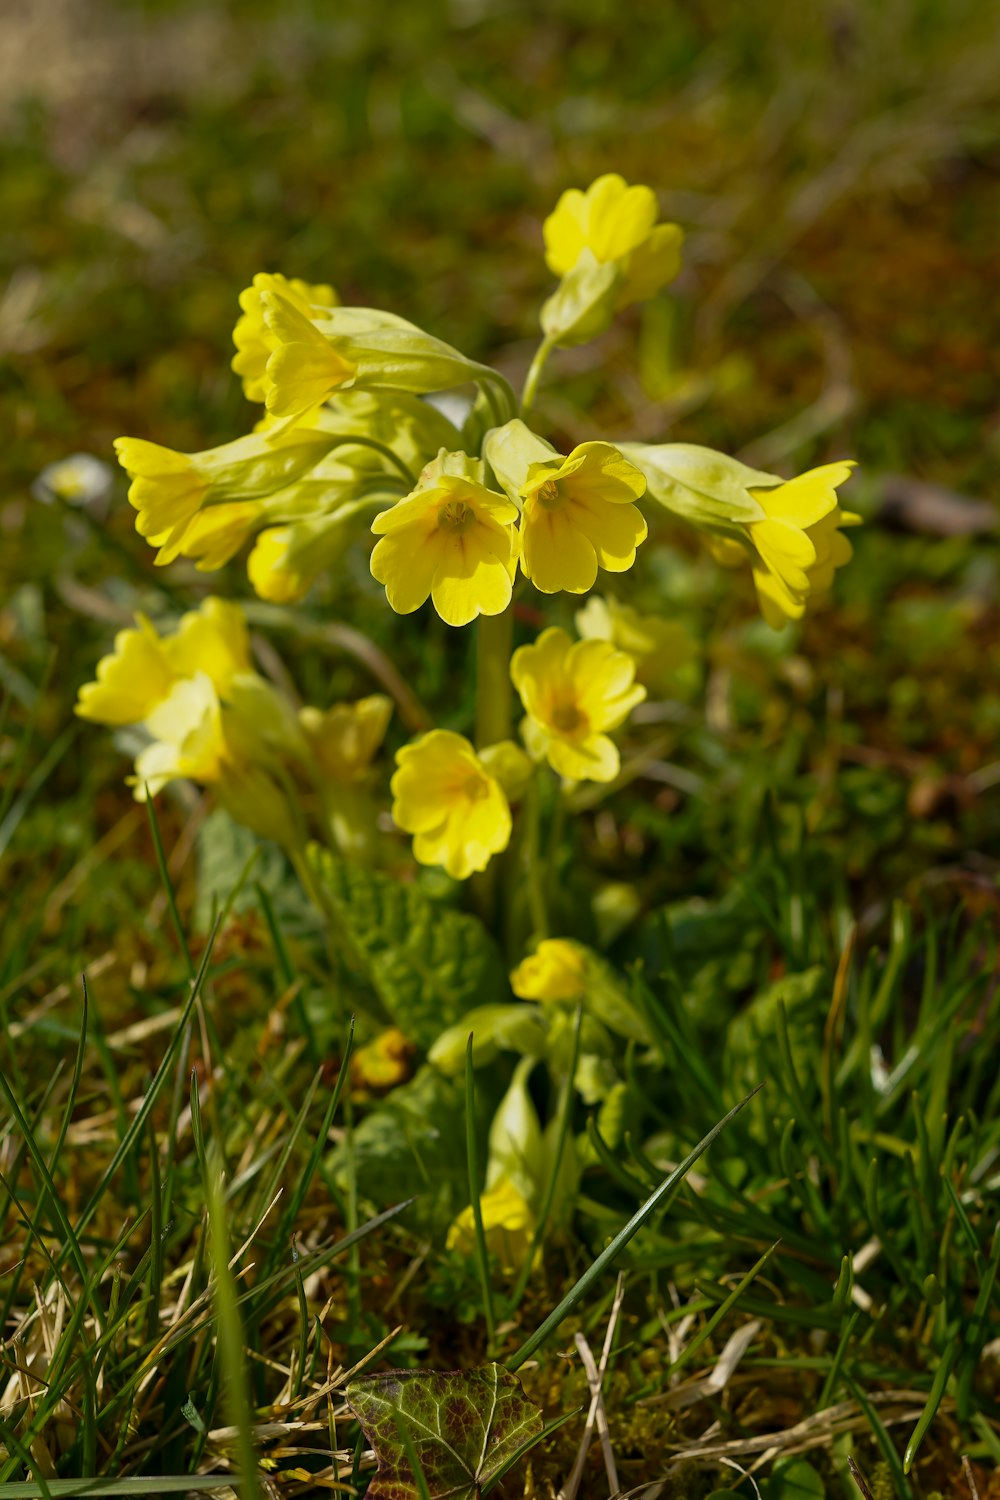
pixel 493 686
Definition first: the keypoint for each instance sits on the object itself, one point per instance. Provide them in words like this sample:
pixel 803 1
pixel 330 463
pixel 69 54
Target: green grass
pixel 185 1294
pixel 198 1251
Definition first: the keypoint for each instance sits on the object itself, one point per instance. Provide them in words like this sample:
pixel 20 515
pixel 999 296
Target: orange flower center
pixel 567 718
pixel 548 495
pixel 455 516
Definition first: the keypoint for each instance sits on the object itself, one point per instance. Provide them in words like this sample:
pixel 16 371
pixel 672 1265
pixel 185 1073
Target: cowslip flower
pixel 346 738
pixel 578 513
pixel 561 970
pixel 799 545
pixel 444 796
pixel 285 561
pixel 573 694
pixel 508 1223
pixel 253 340
pixel 610 251
pixel 316 355
pixel 452 539
pixel 209 716
pixel 131 681
pixel 789 529
pixel 555 971
pixel 169 489
pixel 212 639
pixel 382 1063
pixel 188 739
pixel 658 646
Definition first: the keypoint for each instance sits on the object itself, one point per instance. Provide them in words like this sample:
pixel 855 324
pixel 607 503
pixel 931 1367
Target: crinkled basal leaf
pixel 464 1425
pixel 428 964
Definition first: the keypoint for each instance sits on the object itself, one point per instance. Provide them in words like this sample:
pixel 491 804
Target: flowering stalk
pixel 494 637
pixel 534 374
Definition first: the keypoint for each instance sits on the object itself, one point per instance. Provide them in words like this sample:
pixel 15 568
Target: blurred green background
pixel 835 167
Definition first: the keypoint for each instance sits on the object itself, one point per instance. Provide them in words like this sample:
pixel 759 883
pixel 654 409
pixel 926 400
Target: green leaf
pixel 428 964
pixel 464 1425
pixel 794 1479
pixel 407 1145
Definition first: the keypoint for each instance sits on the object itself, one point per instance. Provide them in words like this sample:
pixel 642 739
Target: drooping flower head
pixel 616 224
pixel 555 971
pixel 319 352
pixel 446 798
pixel 208 715
pixel 659 647
pixel 609 250
pixel 452 539
pixel 573 694
pixel 169 490
pixel 799 544
pixel 253 340
pixel 508 1223
pixel 789 529
pixel 577 513
pixel 346 738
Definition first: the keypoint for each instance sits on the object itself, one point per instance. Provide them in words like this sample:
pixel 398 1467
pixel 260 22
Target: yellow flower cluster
pixel 365 426
pixel 456 802
pixel 211 718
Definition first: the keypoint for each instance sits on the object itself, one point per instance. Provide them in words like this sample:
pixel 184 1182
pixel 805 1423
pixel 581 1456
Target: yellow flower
pixel 254 341
pixel 316 355
pixel 446 798
pixel 798 545
pixel 168 489
pixel 573 694
pixel 383 1062
pixel 187 737
pixel 578 513
pixel 508 1223
pixel 346 738
pixel 215 535
pixel 286 560
pixel 131 681
pixel 453 539
pixel 615 223
pixel 658 646
pixel 555 971
pixel 143 669
pixel 212 640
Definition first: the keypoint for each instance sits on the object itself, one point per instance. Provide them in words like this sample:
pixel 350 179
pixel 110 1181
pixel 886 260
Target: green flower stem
pixel 547 873
pixel 494 636
pixel 472 1163
pixel 508 407
pixel 536 869
pixel 353 439
pixel 534 375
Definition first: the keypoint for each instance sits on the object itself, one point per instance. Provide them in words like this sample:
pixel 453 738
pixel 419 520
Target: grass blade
pixel 659 1199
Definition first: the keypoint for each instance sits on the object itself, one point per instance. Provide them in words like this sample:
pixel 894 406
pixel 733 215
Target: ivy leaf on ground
pixel 464 1427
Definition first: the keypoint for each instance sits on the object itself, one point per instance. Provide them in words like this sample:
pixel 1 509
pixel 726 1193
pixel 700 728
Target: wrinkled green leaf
pixel 464 1425
pixel 428 964
pixel 407 1145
